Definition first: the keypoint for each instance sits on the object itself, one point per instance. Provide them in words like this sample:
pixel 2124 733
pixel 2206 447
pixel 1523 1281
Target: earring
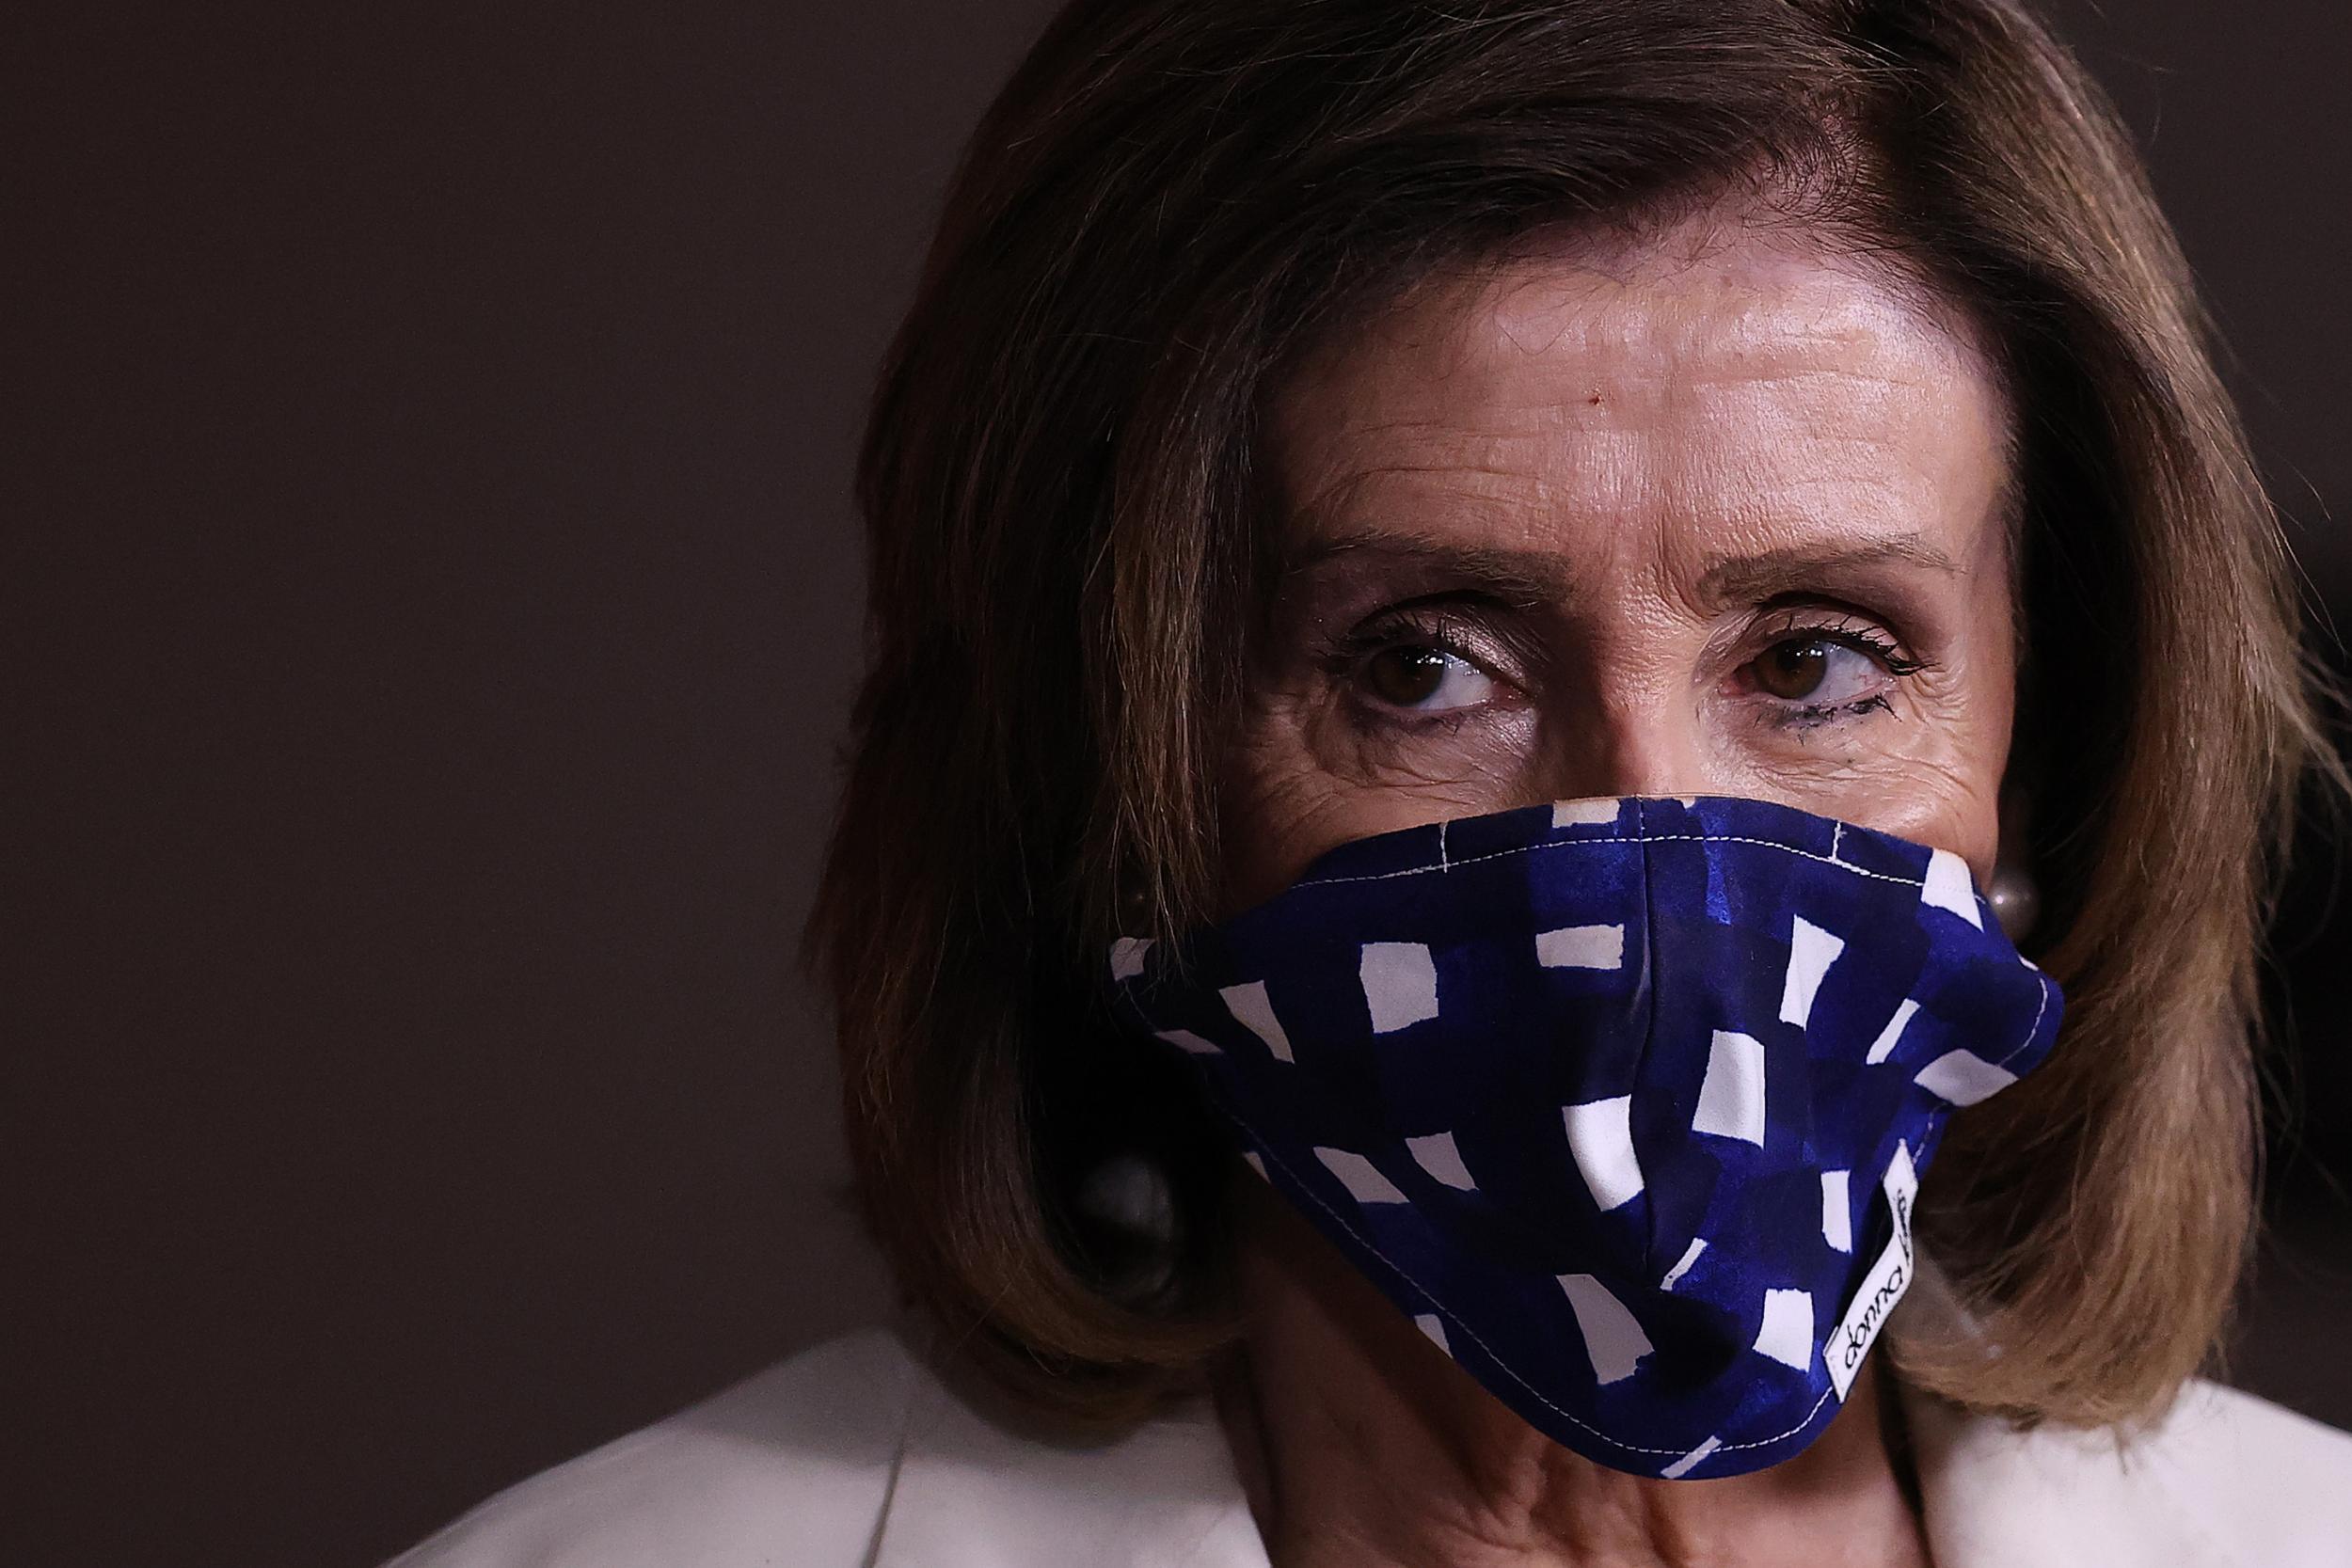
pixel 1130 1195
pixel 2015 900
pixel 1130 1201
pixel 1134 904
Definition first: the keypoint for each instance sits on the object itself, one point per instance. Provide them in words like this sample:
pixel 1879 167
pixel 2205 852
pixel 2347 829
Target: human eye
pixel 1426 679
pixel 1422 663
pixel 1814 672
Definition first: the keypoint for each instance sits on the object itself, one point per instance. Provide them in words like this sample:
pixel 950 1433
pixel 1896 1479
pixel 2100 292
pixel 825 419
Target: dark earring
pixel 1130 1206
pixel 2016 901
pixel 1130 1195
pixel 1131 911
pixel 2015 897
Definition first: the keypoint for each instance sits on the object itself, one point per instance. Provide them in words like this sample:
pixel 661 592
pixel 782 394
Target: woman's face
pixel 1723 514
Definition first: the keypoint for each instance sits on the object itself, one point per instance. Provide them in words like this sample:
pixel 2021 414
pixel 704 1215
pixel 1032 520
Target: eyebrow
pixel 1515 576
pixel 1763 573
pixel 1530 578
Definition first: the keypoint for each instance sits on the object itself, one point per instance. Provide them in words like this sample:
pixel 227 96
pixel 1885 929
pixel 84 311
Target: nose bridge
pixel 1657 752
pixel 1624 737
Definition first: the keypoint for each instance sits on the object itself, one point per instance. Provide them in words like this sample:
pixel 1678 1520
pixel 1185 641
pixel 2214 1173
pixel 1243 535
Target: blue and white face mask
pixel 1623 1102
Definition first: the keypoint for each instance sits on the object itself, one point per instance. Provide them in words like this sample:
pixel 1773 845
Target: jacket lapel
pixel 1993 1496
pixel 2054 1498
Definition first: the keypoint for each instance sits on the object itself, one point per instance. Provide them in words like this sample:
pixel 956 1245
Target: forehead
pixel 1718 377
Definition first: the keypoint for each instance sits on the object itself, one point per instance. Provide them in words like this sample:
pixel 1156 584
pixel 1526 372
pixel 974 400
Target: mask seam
pixel 2033 1031
pixel 1455 865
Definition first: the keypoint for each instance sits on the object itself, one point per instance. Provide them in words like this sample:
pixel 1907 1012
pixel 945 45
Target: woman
pixel 1488 619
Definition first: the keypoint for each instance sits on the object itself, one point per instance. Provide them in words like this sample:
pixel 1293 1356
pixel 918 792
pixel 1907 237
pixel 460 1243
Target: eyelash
pixel 1406 626
pixel 1862 636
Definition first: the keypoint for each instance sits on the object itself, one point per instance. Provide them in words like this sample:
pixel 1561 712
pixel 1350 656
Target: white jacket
pixel 855 1455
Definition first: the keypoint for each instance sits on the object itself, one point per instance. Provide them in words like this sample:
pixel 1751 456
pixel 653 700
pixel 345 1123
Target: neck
pixel 1361 1443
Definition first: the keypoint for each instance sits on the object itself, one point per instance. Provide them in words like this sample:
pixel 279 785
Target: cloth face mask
pixel 1622 1102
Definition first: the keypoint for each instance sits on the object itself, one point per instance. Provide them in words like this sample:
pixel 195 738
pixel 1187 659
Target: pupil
pixel 1794 670
pixel 1407 677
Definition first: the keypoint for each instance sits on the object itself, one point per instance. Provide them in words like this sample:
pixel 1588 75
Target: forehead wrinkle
pixel 1679 327
pixel 1591 396
pixel 1775 330
pixel 1451 445
pixel 1493 536
pixel 1329 505
pixel 1749 428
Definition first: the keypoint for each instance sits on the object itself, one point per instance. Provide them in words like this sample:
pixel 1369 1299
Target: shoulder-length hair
pixel 1060 482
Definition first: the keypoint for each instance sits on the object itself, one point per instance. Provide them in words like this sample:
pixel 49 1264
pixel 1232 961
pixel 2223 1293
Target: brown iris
pixel 1794 669
pixel 1407 677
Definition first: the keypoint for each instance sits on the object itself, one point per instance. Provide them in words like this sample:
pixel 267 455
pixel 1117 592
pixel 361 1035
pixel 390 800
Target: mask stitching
pixel 1615 844
pixel 2033 1030
pixel 1267 1150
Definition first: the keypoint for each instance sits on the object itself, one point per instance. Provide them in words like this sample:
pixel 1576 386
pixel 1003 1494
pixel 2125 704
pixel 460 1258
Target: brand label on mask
pixel 1883 1287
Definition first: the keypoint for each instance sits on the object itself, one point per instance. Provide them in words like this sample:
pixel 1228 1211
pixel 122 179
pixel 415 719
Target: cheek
pixel 1978 737
pixel 1943 800
pixel 1931 774
pixel 1301 780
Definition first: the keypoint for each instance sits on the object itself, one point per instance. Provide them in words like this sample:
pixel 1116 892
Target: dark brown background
pixel 431 600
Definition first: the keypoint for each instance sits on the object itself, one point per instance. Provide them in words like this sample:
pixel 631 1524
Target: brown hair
pixel 1057 480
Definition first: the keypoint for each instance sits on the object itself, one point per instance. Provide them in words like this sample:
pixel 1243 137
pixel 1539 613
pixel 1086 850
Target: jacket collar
pixel 969 1491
